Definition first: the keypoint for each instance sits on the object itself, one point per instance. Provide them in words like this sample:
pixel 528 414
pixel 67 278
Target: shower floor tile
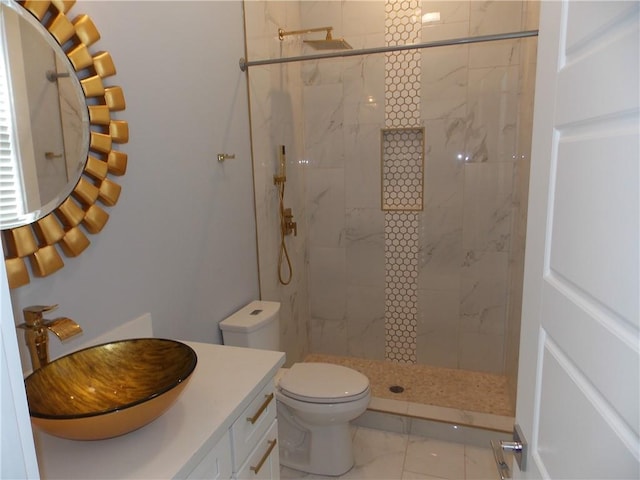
pixel 426 387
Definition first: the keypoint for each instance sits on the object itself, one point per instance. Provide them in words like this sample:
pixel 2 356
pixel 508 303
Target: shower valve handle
pixel 289 225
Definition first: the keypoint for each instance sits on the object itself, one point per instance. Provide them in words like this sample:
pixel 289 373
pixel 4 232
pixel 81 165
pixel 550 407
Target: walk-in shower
pixel 432 279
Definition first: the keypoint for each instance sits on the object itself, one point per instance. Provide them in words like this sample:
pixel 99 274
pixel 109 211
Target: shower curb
pixel 434 429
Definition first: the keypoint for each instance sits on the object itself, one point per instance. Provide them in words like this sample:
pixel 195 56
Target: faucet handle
pixel 39 308
pixel 33 314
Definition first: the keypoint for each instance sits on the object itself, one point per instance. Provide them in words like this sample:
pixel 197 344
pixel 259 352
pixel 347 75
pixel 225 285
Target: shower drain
pixel 396 389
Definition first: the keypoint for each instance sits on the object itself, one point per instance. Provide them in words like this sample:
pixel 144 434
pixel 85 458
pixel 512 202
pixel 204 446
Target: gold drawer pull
pixel 262 408
pixel 272 445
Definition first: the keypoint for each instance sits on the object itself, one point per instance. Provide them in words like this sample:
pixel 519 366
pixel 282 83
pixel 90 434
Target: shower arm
pixel 282 33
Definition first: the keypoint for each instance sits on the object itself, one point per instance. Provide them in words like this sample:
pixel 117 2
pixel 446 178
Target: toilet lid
pixel 323 382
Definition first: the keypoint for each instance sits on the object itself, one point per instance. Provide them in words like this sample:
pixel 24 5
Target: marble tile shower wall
pixel 527 77
pixel 276 114
pixel 343 114
pixel 470 100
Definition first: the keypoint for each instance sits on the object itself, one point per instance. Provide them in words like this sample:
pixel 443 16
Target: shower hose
pixel 283 254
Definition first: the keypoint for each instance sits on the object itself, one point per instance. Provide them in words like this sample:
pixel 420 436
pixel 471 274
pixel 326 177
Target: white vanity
pixel 222 426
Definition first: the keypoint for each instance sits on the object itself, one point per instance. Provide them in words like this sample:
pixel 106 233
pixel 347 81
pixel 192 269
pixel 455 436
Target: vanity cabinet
pixel 217 464
pixel 252 424
pixel 222 426
pixel 264 460
pixel 254 437
pixel 249 450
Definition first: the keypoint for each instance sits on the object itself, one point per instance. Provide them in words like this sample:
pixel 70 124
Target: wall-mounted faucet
pixel 288 225
pixel 36 335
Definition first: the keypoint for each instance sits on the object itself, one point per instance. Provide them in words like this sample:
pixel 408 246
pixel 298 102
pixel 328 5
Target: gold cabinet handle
pixel 272 445
pixel 262 408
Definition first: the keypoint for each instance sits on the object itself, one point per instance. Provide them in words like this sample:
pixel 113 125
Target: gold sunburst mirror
pixel 53 211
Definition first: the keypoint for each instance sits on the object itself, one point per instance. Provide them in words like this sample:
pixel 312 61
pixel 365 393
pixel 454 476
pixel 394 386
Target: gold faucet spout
pixel 63 327
pixel 36 336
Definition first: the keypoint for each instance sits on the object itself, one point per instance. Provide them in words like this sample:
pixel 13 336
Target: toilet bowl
pixel 315 401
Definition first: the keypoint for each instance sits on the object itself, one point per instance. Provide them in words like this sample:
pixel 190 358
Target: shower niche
pixel 402 154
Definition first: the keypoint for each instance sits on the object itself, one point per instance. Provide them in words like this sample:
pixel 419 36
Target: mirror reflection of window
pixel 50 135
pixel 12 202
pixel 43 110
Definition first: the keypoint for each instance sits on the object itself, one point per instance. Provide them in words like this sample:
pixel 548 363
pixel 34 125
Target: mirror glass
pixel 44 121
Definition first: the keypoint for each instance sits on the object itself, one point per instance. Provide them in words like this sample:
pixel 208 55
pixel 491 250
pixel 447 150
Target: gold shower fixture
pixel 329 43
pixel 287 225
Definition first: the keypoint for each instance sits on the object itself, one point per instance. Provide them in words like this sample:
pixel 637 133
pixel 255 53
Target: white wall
pixel 180 243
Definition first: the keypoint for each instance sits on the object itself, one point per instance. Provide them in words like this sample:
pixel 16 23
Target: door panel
pixel 608 54
pixel 594 239
pixel 579 372
pixel 587 440
pixel 614 348
pixel 587 19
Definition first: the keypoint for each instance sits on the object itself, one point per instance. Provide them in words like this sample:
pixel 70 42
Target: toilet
pixel 315 401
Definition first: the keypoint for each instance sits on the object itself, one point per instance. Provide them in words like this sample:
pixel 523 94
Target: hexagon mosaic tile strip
pixel 402 178
pixel 401 277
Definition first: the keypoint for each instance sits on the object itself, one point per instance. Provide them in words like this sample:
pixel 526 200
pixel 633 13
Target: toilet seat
pixel 323 383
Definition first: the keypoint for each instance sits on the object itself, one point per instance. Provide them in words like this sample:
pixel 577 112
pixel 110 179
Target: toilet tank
pixel 256 325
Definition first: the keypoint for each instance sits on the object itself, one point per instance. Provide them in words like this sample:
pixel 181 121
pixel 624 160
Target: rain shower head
pixel 329 43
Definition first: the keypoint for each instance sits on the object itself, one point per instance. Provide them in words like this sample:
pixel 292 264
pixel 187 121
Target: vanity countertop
pixel 222 385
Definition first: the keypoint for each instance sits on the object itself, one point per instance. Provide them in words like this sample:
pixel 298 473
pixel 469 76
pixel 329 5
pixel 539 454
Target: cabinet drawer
pixel 251 425
pixel 217 463
pixel 264 460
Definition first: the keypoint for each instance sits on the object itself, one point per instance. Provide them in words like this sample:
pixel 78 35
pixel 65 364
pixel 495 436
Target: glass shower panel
pixel 473 109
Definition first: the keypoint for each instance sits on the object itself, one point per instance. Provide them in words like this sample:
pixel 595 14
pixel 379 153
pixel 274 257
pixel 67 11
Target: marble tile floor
pixel 473 399
pixel 383 455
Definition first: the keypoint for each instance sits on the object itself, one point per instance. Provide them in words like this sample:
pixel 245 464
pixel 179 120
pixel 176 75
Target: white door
pixel 17 451
pixel 578 402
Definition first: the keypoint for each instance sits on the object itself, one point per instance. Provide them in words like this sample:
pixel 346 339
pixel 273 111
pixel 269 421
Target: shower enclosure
pixel 407 174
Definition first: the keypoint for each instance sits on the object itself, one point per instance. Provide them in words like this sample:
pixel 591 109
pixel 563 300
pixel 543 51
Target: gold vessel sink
pixel 109 390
